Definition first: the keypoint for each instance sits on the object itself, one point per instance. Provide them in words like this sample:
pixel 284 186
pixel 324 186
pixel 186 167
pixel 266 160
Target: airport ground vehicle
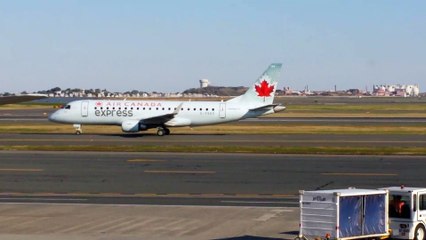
pixel 407 212
pixel 390 212
pixel 344 214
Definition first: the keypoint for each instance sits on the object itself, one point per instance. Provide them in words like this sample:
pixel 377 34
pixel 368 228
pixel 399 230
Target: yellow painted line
pixel 360 174
pixel 144 160
pixel 21 170
pixel 179 172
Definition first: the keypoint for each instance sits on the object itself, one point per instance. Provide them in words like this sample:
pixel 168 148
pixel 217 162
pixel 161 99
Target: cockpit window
pixel 68 107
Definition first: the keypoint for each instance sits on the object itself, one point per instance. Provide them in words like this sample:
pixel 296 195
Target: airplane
pixel 141 115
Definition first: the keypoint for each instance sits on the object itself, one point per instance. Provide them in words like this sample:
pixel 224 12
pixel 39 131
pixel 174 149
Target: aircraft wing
pixel 159 120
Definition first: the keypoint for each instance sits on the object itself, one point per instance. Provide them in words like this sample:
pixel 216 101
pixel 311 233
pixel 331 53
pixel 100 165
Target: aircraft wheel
pixel 78 129
pixel 167 131
pixel 419 233
pixel 161 132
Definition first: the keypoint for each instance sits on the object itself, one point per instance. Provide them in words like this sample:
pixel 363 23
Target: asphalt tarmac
pixel 103 195
pixel 41 114
pixel 194 179
pixel 255 140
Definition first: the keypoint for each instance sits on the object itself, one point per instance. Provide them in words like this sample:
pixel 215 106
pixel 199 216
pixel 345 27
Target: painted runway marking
pixel 274 213
pixel 186 195
pixel 361 174
pixel 44 199
pixel 21 170
pixel 259 202
pixel 144 160
pixel 179 172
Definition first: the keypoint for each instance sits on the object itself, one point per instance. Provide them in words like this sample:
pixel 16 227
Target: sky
pixel 168 46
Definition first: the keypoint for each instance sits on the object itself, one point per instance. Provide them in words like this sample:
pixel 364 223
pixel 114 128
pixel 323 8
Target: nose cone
pixel 53 117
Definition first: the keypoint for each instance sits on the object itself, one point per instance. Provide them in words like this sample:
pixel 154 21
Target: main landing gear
pixel 78 129
pixel 161 131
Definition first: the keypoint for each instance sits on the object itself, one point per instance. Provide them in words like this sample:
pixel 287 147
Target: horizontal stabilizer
pixel 275 107
pixel 264 107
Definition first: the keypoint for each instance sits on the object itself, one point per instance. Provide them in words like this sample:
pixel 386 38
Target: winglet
pixel 175 112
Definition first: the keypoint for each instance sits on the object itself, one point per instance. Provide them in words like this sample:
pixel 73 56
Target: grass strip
pixel 231 128
pixel 227 149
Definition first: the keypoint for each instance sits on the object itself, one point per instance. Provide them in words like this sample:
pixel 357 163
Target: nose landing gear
pixel 78 129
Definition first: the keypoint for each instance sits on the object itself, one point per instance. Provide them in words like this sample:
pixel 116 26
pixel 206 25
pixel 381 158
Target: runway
pixel 41 114
pixel 86 195
pixel 254 140
pixel 193 179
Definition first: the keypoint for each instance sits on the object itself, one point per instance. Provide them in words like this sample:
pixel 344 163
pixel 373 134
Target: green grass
pixel 228 149
pixel 231 128
pixel 355 110
pixel 396 110
pixel 360 108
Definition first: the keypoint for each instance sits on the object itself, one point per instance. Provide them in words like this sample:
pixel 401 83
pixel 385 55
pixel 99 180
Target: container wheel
pixel 419 233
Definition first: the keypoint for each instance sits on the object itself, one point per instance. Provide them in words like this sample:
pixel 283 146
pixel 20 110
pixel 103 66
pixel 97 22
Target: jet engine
pixel 132 126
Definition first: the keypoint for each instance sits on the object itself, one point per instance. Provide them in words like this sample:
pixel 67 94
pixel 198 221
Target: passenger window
pixel 422 202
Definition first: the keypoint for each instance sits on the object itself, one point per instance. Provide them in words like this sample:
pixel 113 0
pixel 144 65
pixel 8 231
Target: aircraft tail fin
pixel 262 92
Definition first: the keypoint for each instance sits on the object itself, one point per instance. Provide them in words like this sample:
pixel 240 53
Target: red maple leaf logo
pixel 98 104
pixel 264 89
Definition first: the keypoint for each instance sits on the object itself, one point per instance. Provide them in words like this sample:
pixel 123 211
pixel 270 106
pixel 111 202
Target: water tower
pixel 204 83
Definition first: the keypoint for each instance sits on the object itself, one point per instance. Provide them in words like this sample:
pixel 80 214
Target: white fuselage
pixel 190 113
pixel 139 115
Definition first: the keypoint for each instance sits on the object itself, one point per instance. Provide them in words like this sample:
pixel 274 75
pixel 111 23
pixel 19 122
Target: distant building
pixel 396 90
pixel 204 83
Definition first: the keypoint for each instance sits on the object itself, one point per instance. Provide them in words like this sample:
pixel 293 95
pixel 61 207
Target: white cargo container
pixel 344 214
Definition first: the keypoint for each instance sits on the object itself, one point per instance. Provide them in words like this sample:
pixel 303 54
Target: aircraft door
pixel 222 110
pixel 421 214
pixel 84 108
